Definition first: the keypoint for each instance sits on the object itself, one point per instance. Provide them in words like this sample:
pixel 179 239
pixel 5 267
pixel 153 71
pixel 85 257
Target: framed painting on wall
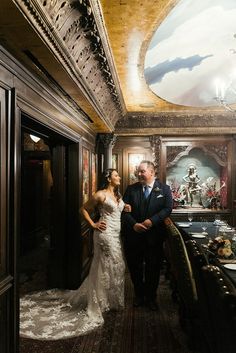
pixel 115 161
pixel 133 161
pixel 94 173
pixel 86 176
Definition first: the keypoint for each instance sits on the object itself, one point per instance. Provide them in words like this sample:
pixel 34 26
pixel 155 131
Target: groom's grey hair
pixel 150 164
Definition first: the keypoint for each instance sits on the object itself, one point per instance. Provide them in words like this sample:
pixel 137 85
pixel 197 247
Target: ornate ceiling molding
pixel 69 29
pixel 97 12
pixel 177 123
pixel 175 131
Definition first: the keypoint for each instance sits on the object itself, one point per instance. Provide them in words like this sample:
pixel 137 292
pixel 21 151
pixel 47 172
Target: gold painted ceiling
pixel 94 51
pixel 130 25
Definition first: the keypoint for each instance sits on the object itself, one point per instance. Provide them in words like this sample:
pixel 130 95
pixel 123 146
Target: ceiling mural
pixel 119 71
pixel 194 49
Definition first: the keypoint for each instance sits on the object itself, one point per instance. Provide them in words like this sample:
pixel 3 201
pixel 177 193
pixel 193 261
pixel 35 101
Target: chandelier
pixel 226 90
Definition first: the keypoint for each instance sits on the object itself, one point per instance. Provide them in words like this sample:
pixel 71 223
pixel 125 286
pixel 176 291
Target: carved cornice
pixel 69 29
pixel 177 124
pixel 95 4
pixel 175 120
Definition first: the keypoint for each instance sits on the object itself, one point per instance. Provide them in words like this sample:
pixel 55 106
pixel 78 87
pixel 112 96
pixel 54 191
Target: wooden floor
pixel 133 330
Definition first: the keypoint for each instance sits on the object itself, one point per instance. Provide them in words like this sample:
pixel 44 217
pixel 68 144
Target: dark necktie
pixel 146 191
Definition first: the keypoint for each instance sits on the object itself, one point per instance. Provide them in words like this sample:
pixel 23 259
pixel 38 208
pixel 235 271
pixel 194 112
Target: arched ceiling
pixel 130 26
pixel 93 52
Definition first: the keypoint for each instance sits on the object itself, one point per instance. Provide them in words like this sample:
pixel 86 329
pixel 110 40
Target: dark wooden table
pixel 212 231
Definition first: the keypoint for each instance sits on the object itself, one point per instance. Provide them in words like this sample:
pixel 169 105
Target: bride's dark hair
pixel 105 182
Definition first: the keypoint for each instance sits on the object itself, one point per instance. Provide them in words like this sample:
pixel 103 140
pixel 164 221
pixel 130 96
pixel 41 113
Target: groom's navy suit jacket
pixel 157 207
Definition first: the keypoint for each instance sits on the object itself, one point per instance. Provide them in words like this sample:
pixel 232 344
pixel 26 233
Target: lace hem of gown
pixel 46 316
pixel 49 316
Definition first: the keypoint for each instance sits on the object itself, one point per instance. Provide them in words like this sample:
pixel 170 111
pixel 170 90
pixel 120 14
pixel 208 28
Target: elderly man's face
pixel 145 174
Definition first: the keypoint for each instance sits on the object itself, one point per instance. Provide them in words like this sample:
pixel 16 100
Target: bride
pixel 56 314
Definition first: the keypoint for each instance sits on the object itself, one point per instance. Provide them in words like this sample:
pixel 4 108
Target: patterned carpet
pixel 133 330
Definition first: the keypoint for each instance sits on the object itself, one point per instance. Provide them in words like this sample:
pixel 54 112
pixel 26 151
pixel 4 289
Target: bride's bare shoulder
pixel 100 196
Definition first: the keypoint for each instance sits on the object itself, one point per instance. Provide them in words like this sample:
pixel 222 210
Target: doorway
pixel 47 210
pixel 36 212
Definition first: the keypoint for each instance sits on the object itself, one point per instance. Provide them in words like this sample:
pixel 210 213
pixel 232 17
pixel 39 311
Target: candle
pixel 222 91
pixel 217 89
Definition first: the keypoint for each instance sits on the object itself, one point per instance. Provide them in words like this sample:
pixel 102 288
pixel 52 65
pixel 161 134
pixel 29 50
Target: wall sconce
pixel 223 89
pixel 35 138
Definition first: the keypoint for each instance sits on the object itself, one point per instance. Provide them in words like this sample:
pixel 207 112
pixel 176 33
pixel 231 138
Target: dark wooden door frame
pixel 10 143
pixel 72 224
pixel 65 267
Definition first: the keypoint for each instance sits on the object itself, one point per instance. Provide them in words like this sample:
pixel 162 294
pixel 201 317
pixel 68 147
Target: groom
pixel 144 232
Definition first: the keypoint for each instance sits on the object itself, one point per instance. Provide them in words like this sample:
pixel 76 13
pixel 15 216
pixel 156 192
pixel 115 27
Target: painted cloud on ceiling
pixel 194 46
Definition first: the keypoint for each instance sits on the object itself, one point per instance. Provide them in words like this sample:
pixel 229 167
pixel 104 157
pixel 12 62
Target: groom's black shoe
pixel 138 301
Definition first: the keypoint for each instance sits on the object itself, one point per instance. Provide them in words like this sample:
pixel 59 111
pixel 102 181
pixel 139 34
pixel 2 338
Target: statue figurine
pixel 192 179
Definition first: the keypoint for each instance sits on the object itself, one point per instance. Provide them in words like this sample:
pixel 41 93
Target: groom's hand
pixel 140 228
pixel 127 208
pixel 147 223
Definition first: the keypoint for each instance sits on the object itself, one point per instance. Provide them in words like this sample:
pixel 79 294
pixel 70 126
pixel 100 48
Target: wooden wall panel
pixel 7 275
pixel 127 148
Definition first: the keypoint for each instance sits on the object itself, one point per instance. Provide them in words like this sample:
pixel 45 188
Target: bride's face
pixel 115 178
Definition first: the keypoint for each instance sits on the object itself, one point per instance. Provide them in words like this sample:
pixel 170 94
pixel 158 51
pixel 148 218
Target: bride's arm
pixel 89 207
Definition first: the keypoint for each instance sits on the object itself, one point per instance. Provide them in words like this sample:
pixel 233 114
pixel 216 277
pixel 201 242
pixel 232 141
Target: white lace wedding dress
pixel 56 314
